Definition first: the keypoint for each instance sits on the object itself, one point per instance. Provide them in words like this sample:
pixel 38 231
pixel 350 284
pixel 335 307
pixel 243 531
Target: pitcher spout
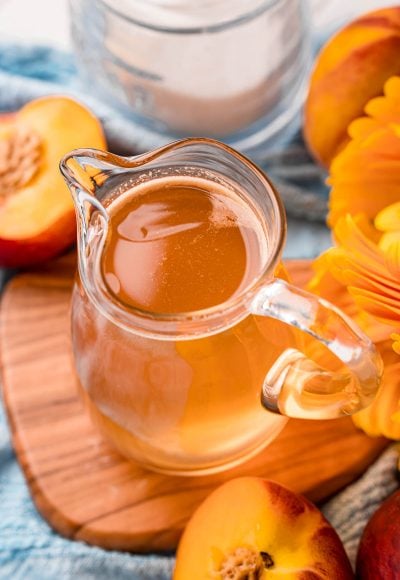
pixel 85 172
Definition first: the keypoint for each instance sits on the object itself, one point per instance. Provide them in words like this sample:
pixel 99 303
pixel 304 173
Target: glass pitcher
pixel 198 392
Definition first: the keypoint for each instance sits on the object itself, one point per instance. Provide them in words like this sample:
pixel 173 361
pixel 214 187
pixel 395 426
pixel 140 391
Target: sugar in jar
pixel 223 68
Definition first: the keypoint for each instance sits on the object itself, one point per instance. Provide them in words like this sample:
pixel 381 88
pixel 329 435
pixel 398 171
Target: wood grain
pixel 82 487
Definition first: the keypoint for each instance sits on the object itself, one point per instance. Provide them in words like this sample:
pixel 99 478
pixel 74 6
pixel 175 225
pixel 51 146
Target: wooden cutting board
pixel 84 489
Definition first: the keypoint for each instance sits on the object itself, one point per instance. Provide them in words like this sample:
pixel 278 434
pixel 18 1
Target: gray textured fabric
pixel 351 509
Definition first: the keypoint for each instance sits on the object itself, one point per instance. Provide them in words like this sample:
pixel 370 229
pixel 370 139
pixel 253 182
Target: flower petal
pixel 388 220
pixel 365 175
pixel 396 344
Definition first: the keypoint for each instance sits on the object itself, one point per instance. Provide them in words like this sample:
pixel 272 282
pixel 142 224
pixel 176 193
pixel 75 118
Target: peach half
pixel 37 219
pixel 253 529
pixel 351 69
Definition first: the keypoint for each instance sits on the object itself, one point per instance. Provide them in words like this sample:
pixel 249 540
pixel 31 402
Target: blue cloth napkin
pixel 29 549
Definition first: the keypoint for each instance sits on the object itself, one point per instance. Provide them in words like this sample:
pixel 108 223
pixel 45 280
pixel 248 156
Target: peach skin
pixel 250 528
pixel 37 217
pixel 378 555
pixel 350 70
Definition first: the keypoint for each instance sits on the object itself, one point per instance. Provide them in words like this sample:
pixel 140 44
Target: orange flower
pixel 360 266
pixel 365 176
pixel 365 214
pixel 358 276
pixel 361 274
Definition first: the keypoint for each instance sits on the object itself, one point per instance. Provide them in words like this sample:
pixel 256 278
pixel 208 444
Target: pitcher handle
pixel 296 386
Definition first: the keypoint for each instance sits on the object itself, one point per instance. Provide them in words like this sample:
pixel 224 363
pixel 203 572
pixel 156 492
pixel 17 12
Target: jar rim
pixel 225 24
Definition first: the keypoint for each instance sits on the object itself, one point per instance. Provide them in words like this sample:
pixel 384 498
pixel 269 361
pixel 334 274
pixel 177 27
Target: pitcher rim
pixel 237 301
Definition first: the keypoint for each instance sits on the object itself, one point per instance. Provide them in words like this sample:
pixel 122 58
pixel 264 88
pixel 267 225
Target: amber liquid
pixel 181 247
pixel 175 246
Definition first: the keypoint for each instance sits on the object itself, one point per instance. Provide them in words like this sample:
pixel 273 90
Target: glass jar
pixel 222 68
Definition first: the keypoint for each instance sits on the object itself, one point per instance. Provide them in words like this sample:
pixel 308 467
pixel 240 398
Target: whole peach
pixel 350 70
pixel 379 552
pixel 250 528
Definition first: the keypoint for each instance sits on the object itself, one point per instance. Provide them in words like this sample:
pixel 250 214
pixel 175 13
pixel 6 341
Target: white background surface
pixel 47 21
